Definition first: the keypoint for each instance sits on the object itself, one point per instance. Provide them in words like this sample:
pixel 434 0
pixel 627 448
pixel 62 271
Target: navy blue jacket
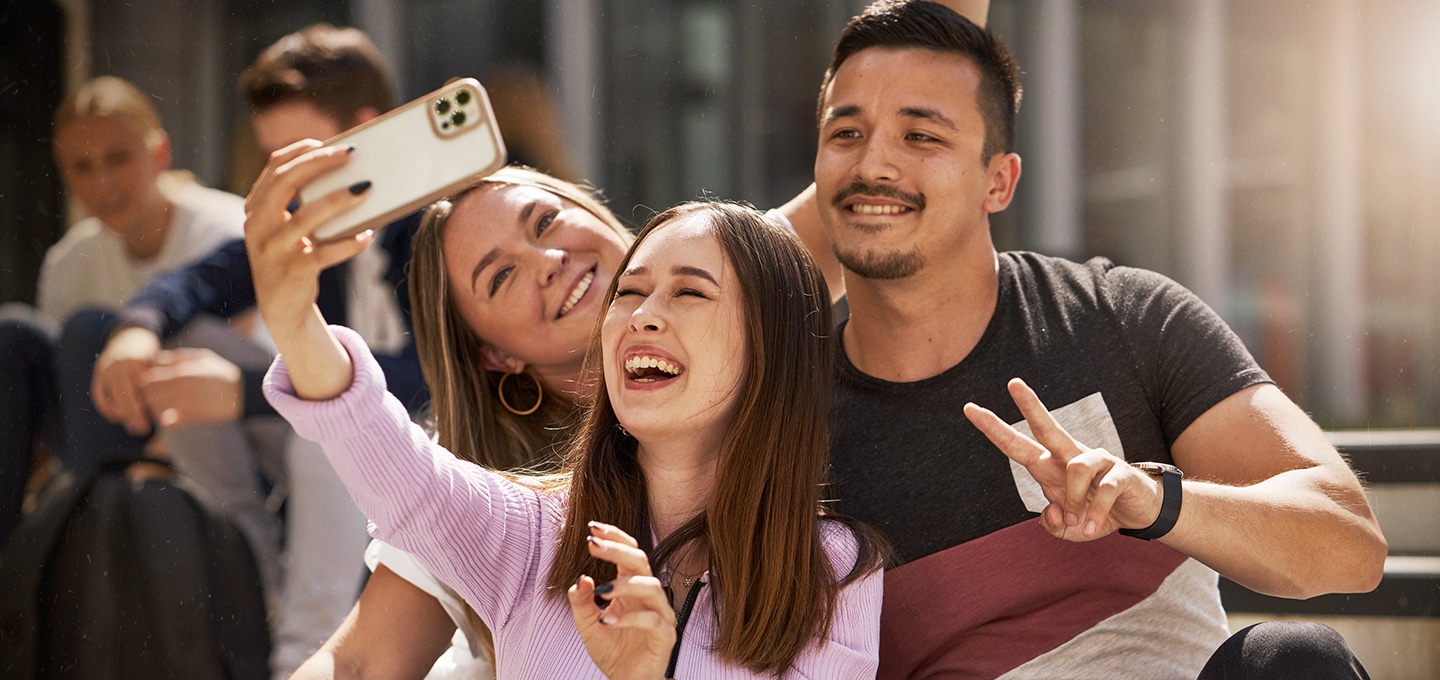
pixel 221 285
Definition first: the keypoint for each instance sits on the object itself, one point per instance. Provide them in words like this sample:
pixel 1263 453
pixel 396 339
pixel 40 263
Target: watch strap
pixel 1170 478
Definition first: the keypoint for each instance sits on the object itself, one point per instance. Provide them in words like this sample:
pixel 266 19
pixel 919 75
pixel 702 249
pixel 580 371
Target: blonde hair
pixel 117 98
pixel 465 411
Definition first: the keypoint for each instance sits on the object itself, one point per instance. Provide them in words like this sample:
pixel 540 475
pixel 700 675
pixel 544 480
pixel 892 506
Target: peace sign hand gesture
pixel 632 637
pixel 1092 492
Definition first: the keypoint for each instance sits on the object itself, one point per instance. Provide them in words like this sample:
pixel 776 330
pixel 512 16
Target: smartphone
pixel 412 156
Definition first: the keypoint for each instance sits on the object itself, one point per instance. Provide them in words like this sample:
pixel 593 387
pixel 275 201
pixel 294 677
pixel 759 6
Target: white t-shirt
pixel 464 660
pixel 90 269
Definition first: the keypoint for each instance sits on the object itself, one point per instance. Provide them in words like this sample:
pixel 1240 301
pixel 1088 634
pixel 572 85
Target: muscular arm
pixel 395 631
pixel 1269 503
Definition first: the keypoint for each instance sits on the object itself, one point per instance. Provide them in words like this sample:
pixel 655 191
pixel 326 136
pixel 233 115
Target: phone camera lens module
pixel 442 107
pixel 462 97
pixel 458 119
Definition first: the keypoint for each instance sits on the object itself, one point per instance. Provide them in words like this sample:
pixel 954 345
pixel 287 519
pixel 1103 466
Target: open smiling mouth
pixel 645 369
pixel 866 209
pixel 579 292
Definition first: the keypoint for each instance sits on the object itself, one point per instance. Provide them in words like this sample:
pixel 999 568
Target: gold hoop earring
pixel 539 395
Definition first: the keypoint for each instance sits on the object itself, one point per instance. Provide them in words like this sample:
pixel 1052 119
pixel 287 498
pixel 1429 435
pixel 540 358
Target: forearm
pixel 318 365
pixel 419 497
pixel 1298 534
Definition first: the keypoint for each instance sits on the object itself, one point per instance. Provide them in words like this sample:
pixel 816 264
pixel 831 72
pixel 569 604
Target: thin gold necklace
pixel 686 580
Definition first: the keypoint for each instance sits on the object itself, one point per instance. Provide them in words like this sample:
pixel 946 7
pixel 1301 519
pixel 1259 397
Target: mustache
pixel 916 201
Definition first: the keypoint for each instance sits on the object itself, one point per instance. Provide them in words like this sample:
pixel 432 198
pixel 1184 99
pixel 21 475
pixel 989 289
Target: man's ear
pixel 160 150
pixel 1004 170
pixel 494 359
pixel 364 114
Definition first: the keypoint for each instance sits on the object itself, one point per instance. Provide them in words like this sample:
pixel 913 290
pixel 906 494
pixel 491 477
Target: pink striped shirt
pixel 494 540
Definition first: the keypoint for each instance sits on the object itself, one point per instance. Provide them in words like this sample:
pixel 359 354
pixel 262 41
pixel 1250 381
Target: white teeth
pixel 578 293
pixel 867 209
pixel 636 363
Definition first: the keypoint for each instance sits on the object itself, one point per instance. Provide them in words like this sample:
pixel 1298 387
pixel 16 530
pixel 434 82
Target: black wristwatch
pixel 1170 477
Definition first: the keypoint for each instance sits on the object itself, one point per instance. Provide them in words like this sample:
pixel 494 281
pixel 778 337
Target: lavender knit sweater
pixel 494 540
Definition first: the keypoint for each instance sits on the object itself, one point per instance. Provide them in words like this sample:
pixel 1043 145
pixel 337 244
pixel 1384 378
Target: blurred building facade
pixel 1280 158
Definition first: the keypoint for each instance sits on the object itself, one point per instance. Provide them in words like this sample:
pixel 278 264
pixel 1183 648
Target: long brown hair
pixel 775 587
pixel 466 415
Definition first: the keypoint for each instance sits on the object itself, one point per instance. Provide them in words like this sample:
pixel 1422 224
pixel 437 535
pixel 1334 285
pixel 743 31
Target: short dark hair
pixel 337 69
pixel 897 24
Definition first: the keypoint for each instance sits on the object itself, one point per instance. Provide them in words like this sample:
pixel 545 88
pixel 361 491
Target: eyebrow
pixel 481 265
pixel 678 270
pixel 907 111
pixel 484 262
pixel 841 112
pixel 928 114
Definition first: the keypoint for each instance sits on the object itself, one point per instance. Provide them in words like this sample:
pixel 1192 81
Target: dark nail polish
pixel 604 588
pixel 360 187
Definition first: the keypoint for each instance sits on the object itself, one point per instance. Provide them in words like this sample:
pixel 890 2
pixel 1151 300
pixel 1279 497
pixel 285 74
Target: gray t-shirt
pixel 1126 359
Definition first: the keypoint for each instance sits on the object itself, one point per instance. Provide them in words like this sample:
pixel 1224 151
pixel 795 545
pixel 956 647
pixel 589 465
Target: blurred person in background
pixel 144 220
pixel 314 83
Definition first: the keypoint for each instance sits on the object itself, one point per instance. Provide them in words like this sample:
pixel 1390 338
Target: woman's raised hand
pixel 633 636
pixel 286 264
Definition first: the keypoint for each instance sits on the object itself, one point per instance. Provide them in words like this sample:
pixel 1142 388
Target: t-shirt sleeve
pixel 1188 357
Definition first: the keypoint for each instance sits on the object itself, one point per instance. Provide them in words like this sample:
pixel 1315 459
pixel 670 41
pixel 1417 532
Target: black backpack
pixel 113 578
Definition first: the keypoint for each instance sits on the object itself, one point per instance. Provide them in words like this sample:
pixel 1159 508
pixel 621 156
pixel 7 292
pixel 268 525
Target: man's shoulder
pixel 1026 263
pixel 1097 277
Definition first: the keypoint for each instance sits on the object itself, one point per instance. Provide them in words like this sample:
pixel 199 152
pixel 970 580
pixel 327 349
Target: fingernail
pixel 608 620
pixel 360 187
pixel 1072 519
pixel 593 524
pixel 604 588
pixel 1091 528
pixel 578 579
pixel 349 148
pixel 593 541
pixel 365 235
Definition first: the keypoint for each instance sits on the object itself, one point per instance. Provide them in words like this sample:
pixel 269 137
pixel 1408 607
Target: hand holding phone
pixel 412 156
